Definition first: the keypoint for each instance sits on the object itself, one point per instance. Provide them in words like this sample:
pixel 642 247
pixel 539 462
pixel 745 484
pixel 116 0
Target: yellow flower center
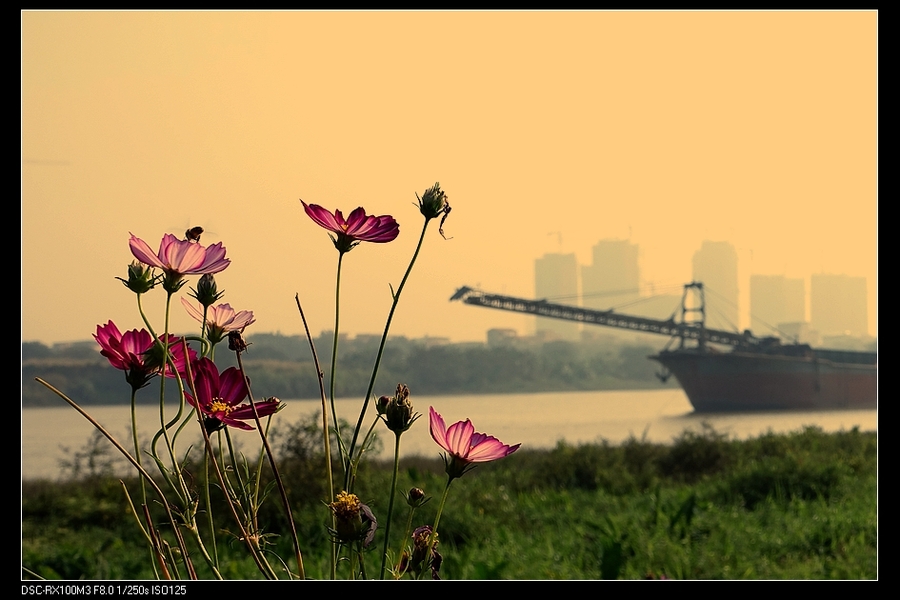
pixel 219 405
pixel 346 506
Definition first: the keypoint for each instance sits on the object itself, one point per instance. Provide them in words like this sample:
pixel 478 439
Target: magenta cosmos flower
pixel 358 227
pixel 180 257
pixel 219 397
pixel 464 445
pixel 135 353
pixel 220 319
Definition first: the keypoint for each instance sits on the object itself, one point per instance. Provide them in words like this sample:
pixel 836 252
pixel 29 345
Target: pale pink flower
pixel 181 257
pixel 464 445
pixel 220 319
pixel 358 227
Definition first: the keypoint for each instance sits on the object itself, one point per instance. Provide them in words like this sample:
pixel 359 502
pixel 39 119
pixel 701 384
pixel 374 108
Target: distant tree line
pixel 282 366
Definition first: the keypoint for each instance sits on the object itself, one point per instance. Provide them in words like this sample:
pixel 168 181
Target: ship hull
pixel 749 381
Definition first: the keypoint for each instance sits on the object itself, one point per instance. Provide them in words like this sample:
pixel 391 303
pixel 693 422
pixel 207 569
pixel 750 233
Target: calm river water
pixel 535 420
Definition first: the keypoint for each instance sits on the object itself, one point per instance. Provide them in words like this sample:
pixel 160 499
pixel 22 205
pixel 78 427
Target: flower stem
pixel 390 512
pixel 434 530
pixel 260 561
pixel 387 327
pixel 145 475
pixel 334 352
pixel 137 445
pixel 276 475
pixel 327 433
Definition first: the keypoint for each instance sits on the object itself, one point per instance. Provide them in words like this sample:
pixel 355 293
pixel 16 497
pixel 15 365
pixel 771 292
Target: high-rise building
pixel 613 279
pixel 774 301
pixel 838 305
pixel 556 279
pixel 715 264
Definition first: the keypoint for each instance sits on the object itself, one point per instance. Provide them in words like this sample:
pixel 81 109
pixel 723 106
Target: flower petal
pixel 263 409
pixel 486 448
pixel 438 430
pixel 459 436
pixel 215 261
pixel 206 380
pixel 183 256
pixel 189 307
pixel 143 253
pixel 322 217
pixel 232 386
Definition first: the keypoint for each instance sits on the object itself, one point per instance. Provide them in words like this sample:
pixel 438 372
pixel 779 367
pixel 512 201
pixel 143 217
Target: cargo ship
pixel 755 374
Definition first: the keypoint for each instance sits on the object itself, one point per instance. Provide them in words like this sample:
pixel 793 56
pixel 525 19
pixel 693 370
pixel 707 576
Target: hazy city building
pixel 776 300
pixel 556 279
pixel 613 279
pixel 499 336
pixel 715 264
pixel 838 305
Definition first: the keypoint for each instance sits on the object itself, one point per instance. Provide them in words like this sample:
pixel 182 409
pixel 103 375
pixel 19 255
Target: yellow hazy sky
pixel 548 130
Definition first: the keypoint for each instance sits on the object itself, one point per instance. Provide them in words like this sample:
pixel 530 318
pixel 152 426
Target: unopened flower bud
pixel 381 404
pixel 141 278
pixel 415 497
pixel 206 292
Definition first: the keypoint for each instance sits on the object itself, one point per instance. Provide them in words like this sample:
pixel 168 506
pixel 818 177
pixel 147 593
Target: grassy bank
pixel 795 506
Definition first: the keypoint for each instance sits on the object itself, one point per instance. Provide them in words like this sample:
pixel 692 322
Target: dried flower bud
pixel 353 520
pixel 433 204
pixel 419 559
pixel 236 342
pixel 398 411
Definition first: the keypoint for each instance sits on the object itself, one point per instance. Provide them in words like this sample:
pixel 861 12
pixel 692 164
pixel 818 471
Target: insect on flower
pixel 193 234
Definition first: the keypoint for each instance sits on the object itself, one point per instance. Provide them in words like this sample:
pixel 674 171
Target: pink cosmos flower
pixel 465 445
pixel 123 351
pixel 133 352
pixel 220 319
pixel 219 397
pixel 358 227
pixel 181 257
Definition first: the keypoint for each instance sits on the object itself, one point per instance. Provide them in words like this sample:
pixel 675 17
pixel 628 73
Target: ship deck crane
pixel 689 327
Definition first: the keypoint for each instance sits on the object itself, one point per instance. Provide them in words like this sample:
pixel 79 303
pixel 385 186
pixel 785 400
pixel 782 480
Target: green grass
pixel 795 506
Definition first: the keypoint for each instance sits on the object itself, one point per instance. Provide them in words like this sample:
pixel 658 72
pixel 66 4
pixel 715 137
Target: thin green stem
pixel 354 466
pixel 260 561
pixel 276 475
pixel 137 445
pixel 209 511
pixel 387 327
pixel 135 464
pixel 334 352
pixel 437 519
pixel 390 512
pixel 325 431
pixel 362 560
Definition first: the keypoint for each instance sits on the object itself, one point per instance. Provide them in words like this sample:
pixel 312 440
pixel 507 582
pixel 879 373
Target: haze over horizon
pixel 549 131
